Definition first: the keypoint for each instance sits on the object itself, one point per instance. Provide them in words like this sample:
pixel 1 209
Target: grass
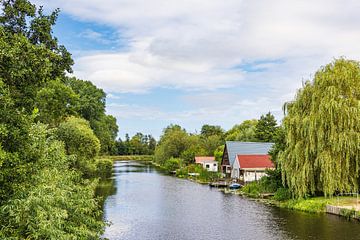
pixel 316 204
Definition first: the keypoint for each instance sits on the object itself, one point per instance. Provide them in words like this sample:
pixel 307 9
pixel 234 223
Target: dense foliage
pixel 266 128
pixel 322 128
pixel 51 129
pixel 262 130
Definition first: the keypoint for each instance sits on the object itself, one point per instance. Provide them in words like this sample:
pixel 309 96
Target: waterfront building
pixel 207 163
pixel 233 148
pixel 248 168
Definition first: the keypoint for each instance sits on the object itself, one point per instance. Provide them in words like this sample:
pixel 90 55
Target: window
pixel 207 166
pixel 214 164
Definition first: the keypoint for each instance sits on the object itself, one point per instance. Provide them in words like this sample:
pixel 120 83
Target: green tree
pixel 210 130
pixel 47 200
pixel 210 144
pixel 41 196
pixel 218 153
pixel 266 128
pixel 55 102
pixel 106 131
pixel 27 59
pixel 194 148
pixel 91 103
pixel 172 143
pixel 279 145
pixel 80 141
pixel 244 132
pixel 322 128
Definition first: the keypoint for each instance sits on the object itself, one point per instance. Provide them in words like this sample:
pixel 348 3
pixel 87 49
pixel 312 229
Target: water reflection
pixel 145 204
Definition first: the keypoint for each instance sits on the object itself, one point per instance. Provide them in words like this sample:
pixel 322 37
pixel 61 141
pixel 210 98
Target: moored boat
pixel 235 186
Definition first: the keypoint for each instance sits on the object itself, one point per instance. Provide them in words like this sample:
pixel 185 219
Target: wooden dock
pixel 220 184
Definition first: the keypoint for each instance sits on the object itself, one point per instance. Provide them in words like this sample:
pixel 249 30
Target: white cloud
pixel 194 45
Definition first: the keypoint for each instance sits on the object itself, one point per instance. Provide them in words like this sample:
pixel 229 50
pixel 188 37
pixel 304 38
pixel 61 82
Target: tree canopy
pixel 44 194
pixel 322 129
pixel 265 129
pixel 243 132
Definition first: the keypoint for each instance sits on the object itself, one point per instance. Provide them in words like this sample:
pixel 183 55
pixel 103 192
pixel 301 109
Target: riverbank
pixel 344 206
pixel 129 157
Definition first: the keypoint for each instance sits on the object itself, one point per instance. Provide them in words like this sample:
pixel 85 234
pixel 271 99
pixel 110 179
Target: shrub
pixel 104 168
pixel 252 189
pixel 172 164
pixel 282 194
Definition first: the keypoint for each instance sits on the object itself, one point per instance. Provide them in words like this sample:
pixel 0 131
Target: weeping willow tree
pixel 323 132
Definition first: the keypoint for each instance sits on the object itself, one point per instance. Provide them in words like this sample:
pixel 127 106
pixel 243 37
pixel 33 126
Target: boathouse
pixel 233 148
pixel 248 168
pixel 207 163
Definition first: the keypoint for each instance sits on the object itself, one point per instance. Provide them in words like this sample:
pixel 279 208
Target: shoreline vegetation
pixel 128 157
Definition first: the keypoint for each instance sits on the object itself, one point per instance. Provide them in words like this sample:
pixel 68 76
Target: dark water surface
pixel 146 204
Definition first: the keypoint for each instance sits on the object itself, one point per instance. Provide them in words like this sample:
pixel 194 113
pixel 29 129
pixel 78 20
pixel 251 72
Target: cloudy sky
pixel 195 62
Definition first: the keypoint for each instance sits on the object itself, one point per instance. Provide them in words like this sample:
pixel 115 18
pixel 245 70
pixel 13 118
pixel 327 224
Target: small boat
pixel 235 186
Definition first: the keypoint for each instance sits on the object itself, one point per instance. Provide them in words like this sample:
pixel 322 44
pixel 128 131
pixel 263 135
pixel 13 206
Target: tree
pixel 47 200
pixel 279 145
pixel 27 59
pixel 172 143
pixel 91 106
pixel 322 128
pixel 106 131
pixel 42 195
pixel 80 141
pixel 210 130
pixel 244 132
pixel 55 102
pixel 266 128
pixel 91 103
pixel 210 144
pixel 218 153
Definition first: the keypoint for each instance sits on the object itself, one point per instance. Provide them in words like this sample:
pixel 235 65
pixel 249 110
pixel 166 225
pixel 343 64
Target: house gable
pixel 225 157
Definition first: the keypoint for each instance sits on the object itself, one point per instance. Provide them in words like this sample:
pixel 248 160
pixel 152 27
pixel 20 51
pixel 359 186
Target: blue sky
pixel 196 62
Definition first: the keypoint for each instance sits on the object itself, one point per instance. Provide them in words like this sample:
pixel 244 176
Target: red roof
pixel 255 161
pixel 204 159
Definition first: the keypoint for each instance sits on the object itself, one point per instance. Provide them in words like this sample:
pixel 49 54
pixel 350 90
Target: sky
pixel 195 62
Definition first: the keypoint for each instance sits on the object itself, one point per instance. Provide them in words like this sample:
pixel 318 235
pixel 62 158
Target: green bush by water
pixel 282 194
pixel 104 168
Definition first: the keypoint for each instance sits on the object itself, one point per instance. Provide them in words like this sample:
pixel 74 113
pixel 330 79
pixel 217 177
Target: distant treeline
pixel 139 144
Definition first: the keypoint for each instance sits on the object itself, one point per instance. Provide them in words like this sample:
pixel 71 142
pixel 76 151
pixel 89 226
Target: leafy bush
pixel 272 181
pixel 81 142
pixel 252 189
pixel 49 201
pixel 172 164
pixel 282 194
pixel 104 168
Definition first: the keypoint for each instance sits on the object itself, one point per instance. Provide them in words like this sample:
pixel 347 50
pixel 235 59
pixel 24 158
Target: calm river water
pixel 144 204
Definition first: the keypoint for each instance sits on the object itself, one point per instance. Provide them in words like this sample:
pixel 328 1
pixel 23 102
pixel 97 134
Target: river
pixel 144 204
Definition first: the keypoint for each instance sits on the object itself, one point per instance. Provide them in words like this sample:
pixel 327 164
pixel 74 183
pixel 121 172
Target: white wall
pixel 210 166
pixel 250 176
